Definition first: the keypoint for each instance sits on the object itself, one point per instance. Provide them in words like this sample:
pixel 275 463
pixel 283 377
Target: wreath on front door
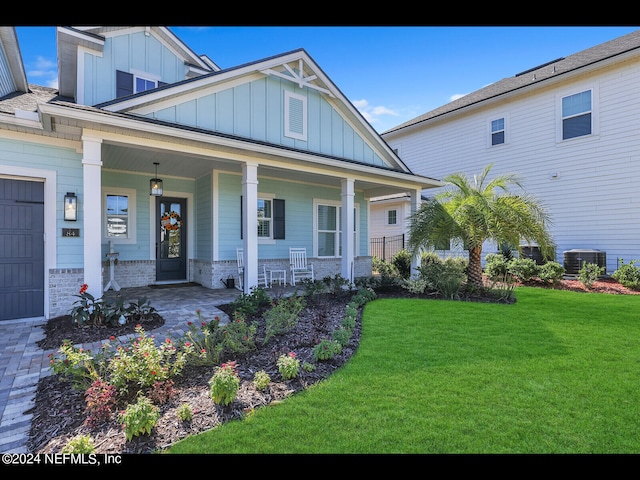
pixel 171 221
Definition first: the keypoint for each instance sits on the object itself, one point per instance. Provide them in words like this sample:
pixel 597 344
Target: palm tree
pixel 470 213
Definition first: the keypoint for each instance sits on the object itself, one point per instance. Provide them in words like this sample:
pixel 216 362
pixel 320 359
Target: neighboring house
pixel 263 156
pixel 569 128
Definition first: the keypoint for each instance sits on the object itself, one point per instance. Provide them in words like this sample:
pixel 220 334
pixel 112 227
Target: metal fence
pixel 386 247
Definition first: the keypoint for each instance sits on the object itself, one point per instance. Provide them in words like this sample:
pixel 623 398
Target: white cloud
pixel 456 96
pixel 373 114
pixel 45 70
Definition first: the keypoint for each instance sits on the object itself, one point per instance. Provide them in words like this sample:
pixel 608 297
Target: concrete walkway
pixel 23 363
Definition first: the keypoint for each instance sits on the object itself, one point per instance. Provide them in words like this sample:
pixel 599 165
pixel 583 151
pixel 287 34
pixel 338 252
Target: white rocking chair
pixel 262 272
pixel 299 267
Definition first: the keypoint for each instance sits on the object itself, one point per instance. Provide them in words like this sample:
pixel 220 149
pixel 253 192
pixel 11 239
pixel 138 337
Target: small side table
pixel 279 276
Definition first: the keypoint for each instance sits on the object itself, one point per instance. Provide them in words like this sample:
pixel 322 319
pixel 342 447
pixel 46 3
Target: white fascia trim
pixel 19 121
pixel 252 149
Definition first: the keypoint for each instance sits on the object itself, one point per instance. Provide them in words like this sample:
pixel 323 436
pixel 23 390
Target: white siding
pixel 589 184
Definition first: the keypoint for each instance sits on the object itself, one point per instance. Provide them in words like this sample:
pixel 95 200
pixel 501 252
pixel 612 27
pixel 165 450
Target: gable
pixel 151 52
pixel 280 102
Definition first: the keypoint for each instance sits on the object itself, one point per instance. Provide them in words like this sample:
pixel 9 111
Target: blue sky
pixel 390 73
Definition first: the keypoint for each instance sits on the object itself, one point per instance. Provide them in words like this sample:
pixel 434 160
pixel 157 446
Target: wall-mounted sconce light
pixel 70 207
pixel 155 184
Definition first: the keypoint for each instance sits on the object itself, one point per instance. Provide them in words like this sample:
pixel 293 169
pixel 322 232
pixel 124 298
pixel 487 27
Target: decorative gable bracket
pixel 298 77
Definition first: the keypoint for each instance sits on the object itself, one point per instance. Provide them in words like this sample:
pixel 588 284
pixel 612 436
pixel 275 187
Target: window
pixel 576 115
pixel 497 131
pixel 392 217
pixel 271 218
pixel 328 224
pixel 143 84
pixel 119 216
pixel 264 219
pixel 295 116
pixel 136 82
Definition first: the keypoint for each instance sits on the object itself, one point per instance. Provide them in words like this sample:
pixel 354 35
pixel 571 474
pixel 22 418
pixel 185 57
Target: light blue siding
pixel 298 199
pixel 128 52
pixel 256 110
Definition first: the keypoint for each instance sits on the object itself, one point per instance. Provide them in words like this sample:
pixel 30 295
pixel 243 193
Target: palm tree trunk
pixel 474 270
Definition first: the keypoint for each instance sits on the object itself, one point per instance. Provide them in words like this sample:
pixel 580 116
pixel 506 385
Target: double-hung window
pixel 119 215
pixel 392 217
pixel 265 223
pixel 497 131
pixel 328 224
pixel 577 115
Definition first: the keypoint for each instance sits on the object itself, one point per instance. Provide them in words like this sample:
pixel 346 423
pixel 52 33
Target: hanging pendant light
pixel 155 184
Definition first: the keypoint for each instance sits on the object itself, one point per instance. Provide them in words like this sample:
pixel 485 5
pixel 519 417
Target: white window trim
pixel 288 96
pixel 145 76
pixel 387 216
pixel 333 203
pixel 595 112
pixel 264 240
pixel 490 133
pixel 132 226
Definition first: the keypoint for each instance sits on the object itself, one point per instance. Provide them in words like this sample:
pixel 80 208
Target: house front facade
pixel 150 164
pixel 568 128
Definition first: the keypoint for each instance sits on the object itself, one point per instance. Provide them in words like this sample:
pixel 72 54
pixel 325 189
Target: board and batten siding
pixel 126 52
pixel 588 184
pixel 256 110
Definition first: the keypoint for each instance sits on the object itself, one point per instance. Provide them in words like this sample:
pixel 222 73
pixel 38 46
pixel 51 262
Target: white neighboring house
pixel 569 128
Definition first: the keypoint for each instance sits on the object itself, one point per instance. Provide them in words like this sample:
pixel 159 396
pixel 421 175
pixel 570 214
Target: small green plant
pixel 288 365
pixel 87 309
pixel 326 349
pixel 80 444
pixel 238 336
pixel 140 363
pixel 402 262
pixel 524 269
pixel 551 272
pixel 248 304
pixel 224 384
pixel 589 273
pixel 415 285
pixel 627 274
pixel 206 340
pixel 261 380
pixel 496 266
pixel 185 412
pixel 308 367
pixel 139 418
pixel 341 335
pixel 101 402
pixel 74 364
pixel 283 315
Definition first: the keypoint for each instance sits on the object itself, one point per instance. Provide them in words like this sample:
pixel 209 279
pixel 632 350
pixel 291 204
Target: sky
pixel 391 74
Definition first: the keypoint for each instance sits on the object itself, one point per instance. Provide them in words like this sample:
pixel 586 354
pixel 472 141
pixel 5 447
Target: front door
pixel 171 254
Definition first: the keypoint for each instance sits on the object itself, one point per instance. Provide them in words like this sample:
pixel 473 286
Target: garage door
pixel 21 249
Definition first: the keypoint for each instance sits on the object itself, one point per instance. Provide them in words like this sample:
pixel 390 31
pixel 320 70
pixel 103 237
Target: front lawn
pixel 556 372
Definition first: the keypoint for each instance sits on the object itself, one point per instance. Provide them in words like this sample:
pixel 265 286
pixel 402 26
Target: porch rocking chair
pixel 299 267
pixel 262 272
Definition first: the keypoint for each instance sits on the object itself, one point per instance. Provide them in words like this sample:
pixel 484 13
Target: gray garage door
pixel 21 249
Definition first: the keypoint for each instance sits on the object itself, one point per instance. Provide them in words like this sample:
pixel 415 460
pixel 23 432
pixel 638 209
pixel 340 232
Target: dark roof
pixel 536 75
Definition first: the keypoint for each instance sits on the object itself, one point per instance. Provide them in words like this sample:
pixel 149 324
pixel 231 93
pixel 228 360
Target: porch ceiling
pixel 138 160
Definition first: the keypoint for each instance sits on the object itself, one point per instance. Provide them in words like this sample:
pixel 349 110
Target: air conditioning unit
pixel 574 259
pixel 532 252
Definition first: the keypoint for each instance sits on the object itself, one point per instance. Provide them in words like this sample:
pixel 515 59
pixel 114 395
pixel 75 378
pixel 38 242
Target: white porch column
pixel 92 214
pixel 348 243
pixel 414 205
pixel 250 224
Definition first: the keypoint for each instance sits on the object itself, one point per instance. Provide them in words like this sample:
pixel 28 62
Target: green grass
pixel 556 372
